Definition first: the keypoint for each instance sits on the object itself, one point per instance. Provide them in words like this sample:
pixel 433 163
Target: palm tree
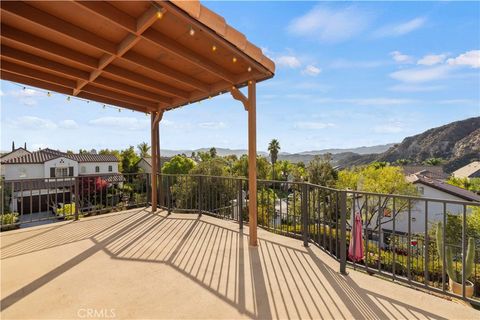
pixel 144 149
pixel 273 148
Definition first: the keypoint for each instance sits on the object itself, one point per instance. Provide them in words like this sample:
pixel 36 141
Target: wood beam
pixel 238 95
pixel 146 81
pixel 110 101
pixel 32 60
pixel 141 24
pixel 37 74
pixel 177 49
pixel 155 119
pixel 6 75
pixel 130 90
pixel 119 96
pixel 106 10
pixel 43 19
pixel 162 69
pixel 47 46
pixel 252 163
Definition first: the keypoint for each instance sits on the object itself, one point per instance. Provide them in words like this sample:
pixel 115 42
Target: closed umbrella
pixel 355 248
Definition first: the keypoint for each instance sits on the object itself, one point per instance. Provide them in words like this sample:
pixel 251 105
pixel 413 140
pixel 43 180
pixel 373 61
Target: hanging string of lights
pixel 68 98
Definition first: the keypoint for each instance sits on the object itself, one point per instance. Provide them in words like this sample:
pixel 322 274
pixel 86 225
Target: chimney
pixel 25 146
pixel 13 145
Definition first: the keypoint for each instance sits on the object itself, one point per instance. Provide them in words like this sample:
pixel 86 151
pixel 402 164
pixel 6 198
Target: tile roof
pixel 433 172
pixel 44 155
pixel 445 187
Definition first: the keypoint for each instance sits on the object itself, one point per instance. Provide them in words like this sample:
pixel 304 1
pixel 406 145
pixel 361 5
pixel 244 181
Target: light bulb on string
pixel 234 59
pixel 49 94
pixel 119 110
pixel 159 14
pixel 249 69
pixel 214 48
pixel 192 31
pixel 68 98
pixel 104 106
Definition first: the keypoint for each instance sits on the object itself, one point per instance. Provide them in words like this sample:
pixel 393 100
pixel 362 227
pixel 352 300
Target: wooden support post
pixel 157 149
pixel 252 162
pixel 154 138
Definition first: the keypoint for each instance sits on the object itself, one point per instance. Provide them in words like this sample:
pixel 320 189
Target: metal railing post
pixel 77 202
pixel 304 208
pixel 200 186
pixel 240 203
pixel 343 229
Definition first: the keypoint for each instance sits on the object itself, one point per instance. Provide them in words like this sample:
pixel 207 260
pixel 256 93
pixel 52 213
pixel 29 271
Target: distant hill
pixel 305 156
pixel 458 143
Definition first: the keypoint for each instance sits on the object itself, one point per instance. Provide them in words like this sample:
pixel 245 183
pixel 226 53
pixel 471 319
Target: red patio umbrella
pixel 355 248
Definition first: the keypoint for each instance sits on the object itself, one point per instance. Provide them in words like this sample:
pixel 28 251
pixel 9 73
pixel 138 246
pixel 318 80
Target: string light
pixel 159 14
pixel 249 69
pixel 209 97
pixel 192 31
pixel 234 59
pixel 119 110
pixel 68 98
pixel 214 48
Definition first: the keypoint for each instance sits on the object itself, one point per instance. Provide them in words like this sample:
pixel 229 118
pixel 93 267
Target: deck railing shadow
pixel 273 280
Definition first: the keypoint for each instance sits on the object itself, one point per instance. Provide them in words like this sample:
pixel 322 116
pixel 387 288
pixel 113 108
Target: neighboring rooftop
pixel 47 154
pixel 471 170
pixel 445 187
pixel 432 172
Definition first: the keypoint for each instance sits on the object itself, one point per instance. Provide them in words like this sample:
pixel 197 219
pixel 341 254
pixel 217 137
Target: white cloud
pixel 432 59
pixel 288 61
pixel 469 58
pixel 27 96
pixel 34 123
pixel 212 125
pixel 311 70
pixel 310 125
pixel 124 123
pixel 400 57
pixel 414 88
pixel 366 101
pixel 395 30
pixel 68 124
pixel 330 25
pixel 418 75
pixel 347 64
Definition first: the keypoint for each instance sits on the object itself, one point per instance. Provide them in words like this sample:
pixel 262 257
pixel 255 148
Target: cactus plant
pixel 450 268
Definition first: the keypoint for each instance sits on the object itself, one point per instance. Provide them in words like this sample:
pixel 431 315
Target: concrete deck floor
pixel 135 264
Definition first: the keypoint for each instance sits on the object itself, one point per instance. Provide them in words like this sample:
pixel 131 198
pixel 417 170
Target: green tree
pixel 387 180
pixel 129 160
pixel 285 168
pixel 213 152
pixel 273 148
pixel 433 161
pixel 472 184
pixel 240 167
pixel 144 150
pixel 321 172
pixel 178 165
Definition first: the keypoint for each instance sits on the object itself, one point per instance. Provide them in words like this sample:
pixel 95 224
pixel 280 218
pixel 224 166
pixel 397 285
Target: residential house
pixel 427 188
pixel 18 152
pixel 145 163
pixel 471 170
pixel 39 178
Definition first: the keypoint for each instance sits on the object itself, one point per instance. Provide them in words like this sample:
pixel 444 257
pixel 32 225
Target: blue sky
pixel 348 75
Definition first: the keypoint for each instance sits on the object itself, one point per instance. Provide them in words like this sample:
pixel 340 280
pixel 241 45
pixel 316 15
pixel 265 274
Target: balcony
pixel 135 264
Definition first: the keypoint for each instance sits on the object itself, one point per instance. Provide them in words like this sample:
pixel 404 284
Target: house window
pixel 110 168
pixel 83 169
pixel 97 169
pixel 22 172
pixel 420 190
pixel 61 172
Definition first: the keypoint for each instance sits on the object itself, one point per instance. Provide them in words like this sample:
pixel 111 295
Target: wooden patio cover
pixel 148 56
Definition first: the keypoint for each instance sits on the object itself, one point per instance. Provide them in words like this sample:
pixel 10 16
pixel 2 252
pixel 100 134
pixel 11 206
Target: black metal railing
pixel 421 241
pixel 29 202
